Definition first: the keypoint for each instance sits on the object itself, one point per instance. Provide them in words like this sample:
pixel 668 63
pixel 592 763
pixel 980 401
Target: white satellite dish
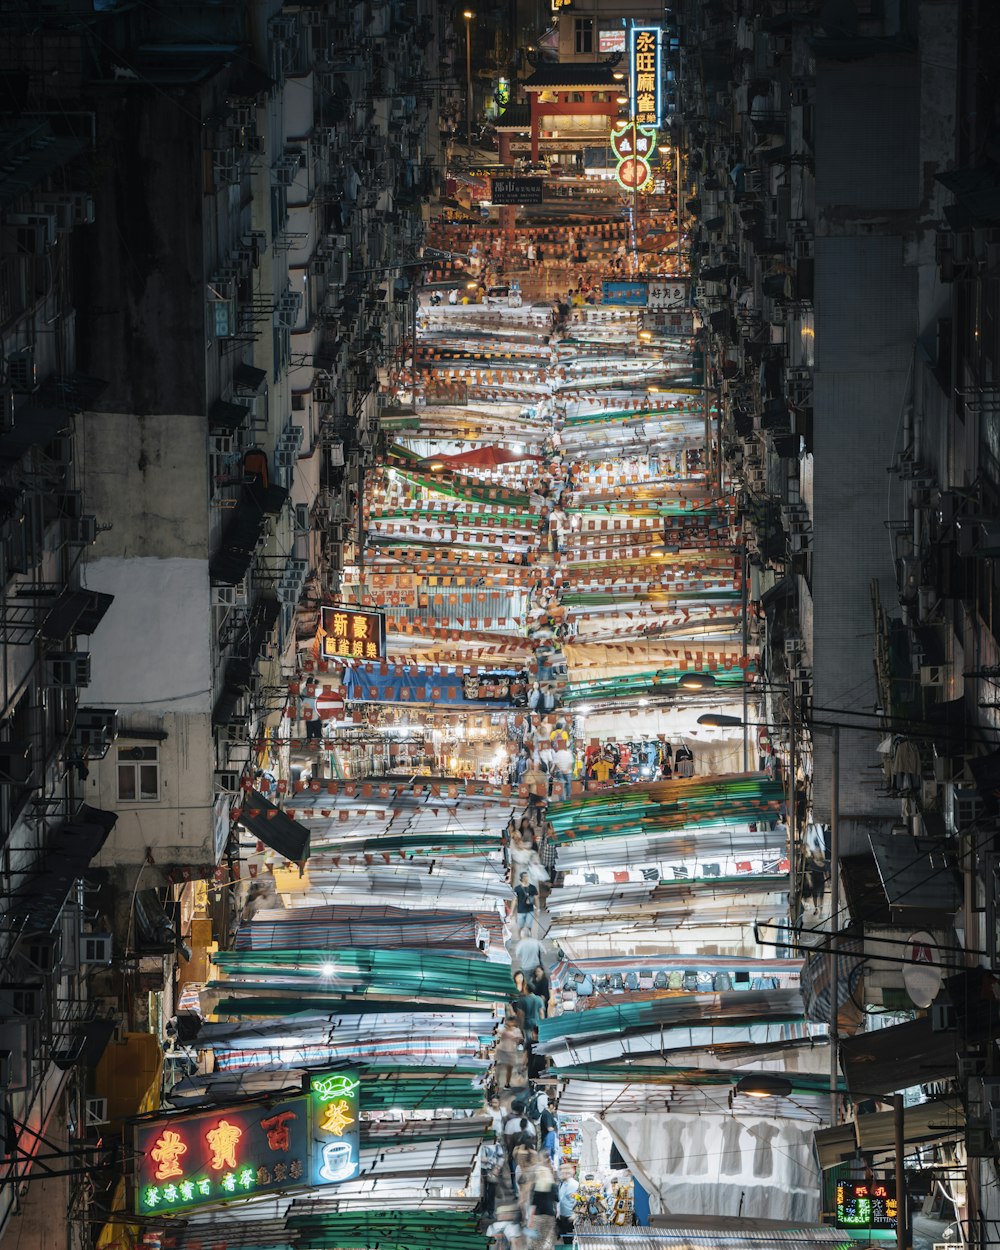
pixel 922 974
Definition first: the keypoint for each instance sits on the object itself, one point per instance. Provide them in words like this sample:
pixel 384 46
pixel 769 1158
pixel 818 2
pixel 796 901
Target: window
pixel 583 28
pixel 138 774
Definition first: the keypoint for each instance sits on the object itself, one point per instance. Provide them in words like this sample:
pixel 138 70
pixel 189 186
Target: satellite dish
pixel 922 974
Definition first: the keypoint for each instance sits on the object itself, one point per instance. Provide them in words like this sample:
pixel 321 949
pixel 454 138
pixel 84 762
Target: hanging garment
pixel 906 765
pixel 763 1155
pixel 731 1157
pixel 697 1161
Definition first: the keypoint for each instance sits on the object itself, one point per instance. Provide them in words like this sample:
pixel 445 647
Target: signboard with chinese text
pixel 866 1204
pixel 352 634
pixel 625 294
pixel 516 190
pixel 633 146
pixel 668 293
pixel 334 1108
pixel 204 1158
pixel 490 171
pixel 611 41
pixel 645 74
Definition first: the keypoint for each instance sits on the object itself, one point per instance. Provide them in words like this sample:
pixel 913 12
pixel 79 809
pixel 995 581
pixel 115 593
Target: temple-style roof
pixel 514 117
pixel 592 75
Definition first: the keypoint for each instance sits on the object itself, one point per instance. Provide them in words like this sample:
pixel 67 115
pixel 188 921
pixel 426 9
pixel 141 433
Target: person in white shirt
pixel 562 769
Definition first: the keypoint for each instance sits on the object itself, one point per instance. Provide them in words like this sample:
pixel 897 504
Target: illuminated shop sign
pixel 645 74
pixel 633 146
pixel 210 1157
pixel 352 634
pixel 866 1204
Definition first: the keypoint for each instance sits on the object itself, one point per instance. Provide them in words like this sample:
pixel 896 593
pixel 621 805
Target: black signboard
pixel 516 190
pixel 866 1204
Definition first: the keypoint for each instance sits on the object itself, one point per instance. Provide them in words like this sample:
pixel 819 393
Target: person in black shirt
pixel 525 893
pixel 538 983
pixel 547 1125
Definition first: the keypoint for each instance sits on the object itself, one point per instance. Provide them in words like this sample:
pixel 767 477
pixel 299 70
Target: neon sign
pixel 633 146
pixel 645 60
pixel 866 1204
pixel 208 1157
pixel 352 634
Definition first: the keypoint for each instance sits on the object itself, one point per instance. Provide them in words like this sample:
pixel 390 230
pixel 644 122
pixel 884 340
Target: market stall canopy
pixel 275 828
pixel 940 1119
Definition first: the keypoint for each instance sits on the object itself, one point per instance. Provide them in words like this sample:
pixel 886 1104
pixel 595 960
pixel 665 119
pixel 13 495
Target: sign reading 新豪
pixel 352 634
pixel 209 1157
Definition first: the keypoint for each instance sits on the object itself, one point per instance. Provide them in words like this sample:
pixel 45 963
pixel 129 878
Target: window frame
pixel 150 763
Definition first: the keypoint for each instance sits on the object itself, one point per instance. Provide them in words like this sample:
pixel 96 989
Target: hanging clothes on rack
pixel 905 765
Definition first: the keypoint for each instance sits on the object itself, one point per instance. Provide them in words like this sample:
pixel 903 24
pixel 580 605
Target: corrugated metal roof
pixel 602 1238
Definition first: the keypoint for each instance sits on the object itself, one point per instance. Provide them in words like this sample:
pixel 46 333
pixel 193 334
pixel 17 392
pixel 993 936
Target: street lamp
pixel 697 681
pixel 468 15
pixel 764 1085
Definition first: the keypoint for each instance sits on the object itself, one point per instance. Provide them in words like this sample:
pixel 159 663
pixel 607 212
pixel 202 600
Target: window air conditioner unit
pixel 83 208
pixel 35 232
pixel 95 948
pixel 22 372
pixel 95 1112
pixel 970 1065
pixel 81 531
pixel 42 953
pixel 283 29
pixel 66 670
pixel 229 596
pixel 227 780
pixel 942 1017
pixel 94 730
pixel 61 210
pixel 20 1001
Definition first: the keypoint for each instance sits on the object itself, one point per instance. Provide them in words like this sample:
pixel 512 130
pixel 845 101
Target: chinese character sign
pixel 866 1204
pixel 633 145
pixel 352 634
pixel 335 1112
pixel 204 1158
pixel 646 74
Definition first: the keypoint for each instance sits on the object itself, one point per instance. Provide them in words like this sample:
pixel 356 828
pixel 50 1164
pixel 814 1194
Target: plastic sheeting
pixel 716 1165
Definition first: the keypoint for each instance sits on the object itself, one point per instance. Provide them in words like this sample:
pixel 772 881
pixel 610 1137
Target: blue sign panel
pixel 624 294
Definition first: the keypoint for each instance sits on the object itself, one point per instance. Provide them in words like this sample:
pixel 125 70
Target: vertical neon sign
pixel 645 58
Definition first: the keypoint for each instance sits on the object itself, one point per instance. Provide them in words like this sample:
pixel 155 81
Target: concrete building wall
pixel 177 828
pixel 861 384
pixel 146 477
